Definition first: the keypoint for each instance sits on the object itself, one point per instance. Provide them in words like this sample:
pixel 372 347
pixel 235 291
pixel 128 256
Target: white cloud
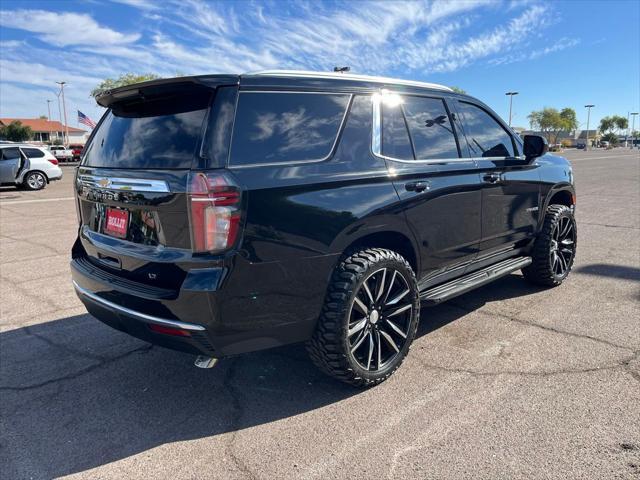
pixel 562 44
pixel 141 4
pixel 527 54
pixel 63 29
pixel 416 38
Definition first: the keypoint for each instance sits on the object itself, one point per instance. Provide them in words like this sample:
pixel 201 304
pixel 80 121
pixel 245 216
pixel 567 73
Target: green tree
pixel 613 124
pixel 551 122
pixel 121 81
pixel 569 119
pixel 610 137
pixel 459 90
pixel 43 117
pixel 16 132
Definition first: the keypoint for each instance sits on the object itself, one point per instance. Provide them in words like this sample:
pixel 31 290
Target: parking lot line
pixel 625 155
pixel 35 200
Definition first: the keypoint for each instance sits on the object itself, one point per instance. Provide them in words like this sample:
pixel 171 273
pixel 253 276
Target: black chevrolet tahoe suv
pixel 223 214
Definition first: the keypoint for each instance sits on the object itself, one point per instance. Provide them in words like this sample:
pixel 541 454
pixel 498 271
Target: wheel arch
pixel 564 197
pixel 562 194
pixel 34 170
pixel 390 233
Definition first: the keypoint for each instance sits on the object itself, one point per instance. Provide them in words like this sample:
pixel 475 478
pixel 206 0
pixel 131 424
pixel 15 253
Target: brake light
pixel 53 160
pixel 214 207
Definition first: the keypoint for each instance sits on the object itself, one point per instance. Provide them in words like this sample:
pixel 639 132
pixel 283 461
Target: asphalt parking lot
pixel 509 381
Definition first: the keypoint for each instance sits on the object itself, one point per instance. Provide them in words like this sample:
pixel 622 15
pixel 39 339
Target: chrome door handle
pixel 416 186
pixel 491 177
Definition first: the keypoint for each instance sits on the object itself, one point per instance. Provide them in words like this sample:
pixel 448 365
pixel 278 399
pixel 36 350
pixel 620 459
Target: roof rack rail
pixel 345 76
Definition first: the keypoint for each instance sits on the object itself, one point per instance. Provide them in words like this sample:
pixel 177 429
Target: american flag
pixel 82 118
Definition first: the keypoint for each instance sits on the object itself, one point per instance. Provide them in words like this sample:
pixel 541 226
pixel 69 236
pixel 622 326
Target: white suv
pixel 28 166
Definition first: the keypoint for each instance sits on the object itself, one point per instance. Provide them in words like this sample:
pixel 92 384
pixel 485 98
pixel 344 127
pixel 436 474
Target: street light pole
pixel 626 136
pixel 64 109
pixel 49 117
pixel 59 113
pixel 633 137
pixel 588 107
pixel 510 94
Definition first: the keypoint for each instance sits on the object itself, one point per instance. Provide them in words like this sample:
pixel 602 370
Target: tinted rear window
pixel 33 152
pixel 285 127
pixel 158 133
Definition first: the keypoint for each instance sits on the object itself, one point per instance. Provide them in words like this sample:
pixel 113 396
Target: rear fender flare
pixel 380 224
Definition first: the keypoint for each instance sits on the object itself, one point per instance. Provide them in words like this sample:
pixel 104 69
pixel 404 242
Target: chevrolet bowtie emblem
pixel 104 182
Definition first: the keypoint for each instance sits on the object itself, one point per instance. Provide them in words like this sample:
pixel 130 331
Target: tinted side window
pixel 33 152
pixel 430 128
pixel 486 137
pixel 10 153
pixel 285 127
pixel 395 137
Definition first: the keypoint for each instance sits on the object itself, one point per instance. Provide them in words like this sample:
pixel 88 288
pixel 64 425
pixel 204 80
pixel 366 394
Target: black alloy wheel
pixel 563 246
pixel 380 319
pixel 554 250
pixel 369 318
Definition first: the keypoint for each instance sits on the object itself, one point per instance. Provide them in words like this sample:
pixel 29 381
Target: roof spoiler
pixel 153 88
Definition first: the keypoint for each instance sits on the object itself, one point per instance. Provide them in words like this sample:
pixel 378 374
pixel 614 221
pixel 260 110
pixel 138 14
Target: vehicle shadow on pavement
pixel 76 394
pixel 623 272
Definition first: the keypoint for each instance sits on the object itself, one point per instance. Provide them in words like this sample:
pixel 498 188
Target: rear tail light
pixel 214 207
pixel 53 160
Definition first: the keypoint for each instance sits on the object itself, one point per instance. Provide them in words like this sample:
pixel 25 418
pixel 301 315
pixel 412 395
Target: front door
pixel 440 192
pixel 510 185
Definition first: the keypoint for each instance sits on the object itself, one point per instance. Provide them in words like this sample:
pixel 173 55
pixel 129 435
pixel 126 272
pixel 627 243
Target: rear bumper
pixel 226 310
pixel 138 324
pixel 55 174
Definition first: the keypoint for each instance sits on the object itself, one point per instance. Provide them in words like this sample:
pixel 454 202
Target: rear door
pixel 10 162
pixel 440 190
pixel 311 181
pixel 510 185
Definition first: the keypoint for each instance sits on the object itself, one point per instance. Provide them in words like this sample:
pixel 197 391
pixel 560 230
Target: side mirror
pixel 535 146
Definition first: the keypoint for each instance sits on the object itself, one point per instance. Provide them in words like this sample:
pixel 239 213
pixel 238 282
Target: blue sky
pixel 557 54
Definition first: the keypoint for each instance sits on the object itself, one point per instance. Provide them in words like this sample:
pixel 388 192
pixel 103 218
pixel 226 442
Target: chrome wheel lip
pixel 563 246
pixel 379 319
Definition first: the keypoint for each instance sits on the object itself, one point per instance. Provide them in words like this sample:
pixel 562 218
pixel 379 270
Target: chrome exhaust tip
pixel 206 362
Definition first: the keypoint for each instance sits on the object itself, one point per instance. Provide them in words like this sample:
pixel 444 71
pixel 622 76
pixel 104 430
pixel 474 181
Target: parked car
pixel 62 153
pixel 27 166
pixel 556 147
pixel 76 150
pixel 226 214
pixel 604 144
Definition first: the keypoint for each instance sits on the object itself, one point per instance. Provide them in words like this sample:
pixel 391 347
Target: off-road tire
pixel 329 347
pixel 541 271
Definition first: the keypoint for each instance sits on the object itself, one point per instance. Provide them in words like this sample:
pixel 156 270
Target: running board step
pixel 473 280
